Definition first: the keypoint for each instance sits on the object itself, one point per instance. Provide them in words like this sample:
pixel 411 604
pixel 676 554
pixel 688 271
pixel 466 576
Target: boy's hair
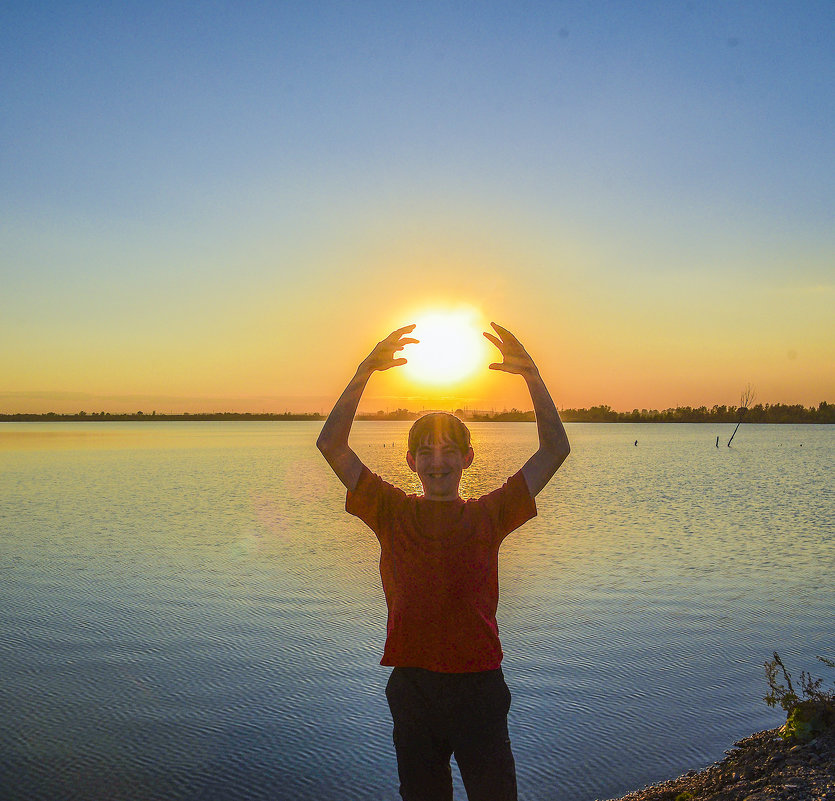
pixel 438 426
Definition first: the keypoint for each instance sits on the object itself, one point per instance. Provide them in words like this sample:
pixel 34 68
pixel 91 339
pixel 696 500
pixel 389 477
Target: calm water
pixel 186 611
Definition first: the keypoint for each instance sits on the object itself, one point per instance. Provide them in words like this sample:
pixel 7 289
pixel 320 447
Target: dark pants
pixel 437 715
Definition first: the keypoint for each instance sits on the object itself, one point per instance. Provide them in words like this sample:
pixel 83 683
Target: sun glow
pixel 451 347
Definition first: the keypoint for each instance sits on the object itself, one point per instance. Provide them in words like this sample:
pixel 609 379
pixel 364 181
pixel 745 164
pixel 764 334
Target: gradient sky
pixel 222 206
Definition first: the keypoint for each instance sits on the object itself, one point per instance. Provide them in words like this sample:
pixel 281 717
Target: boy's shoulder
pixel 373 495
pixel 388 498
pixel 386 509
pixel 370 483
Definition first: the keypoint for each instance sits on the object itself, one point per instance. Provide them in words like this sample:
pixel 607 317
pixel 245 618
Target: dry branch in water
pixel 745 400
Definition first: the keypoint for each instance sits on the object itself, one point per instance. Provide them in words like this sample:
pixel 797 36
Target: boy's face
pixel 439 464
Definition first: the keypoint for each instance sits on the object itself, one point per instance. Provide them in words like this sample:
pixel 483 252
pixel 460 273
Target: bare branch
pixel 747 397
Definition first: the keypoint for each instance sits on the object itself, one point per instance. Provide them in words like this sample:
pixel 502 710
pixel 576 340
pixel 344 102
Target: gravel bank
pixel 762 767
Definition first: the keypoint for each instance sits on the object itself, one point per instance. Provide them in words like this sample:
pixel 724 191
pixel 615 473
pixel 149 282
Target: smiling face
pixel 439 463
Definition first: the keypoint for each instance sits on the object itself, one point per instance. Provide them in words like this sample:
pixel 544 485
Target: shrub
pixel 807 714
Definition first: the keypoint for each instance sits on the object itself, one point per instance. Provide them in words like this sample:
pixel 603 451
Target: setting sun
pixel 451 347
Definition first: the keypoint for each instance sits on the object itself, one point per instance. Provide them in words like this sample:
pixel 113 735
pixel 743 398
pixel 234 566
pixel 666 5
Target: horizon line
pixel 768 412
pixel 425 410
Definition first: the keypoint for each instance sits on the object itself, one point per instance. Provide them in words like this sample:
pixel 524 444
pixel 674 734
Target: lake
pixel 187 612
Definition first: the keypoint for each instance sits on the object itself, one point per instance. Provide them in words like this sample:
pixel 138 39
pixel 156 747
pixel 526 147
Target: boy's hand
pixel 515 357
pixel 382 357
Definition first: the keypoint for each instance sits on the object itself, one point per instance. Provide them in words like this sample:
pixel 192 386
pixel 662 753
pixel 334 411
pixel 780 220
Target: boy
pixel 439 569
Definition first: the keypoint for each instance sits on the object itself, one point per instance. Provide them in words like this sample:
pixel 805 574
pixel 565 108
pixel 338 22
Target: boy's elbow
pixel 324 445
pixel 329 449
pixel 560 449
pixel 558 455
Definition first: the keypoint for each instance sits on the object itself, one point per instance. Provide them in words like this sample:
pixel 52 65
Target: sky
pixel 217 206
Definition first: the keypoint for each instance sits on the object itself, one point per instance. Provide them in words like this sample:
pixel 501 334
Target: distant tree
pixel 744 402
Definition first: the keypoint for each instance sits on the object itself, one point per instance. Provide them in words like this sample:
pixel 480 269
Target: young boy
pixel 439 569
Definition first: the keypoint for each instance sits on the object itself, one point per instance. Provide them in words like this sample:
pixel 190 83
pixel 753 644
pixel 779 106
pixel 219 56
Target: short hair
pixel 439 425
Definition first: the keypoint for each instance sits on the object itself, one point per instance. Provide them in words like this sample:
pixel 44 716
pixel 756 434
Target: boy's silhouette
pixel 439 569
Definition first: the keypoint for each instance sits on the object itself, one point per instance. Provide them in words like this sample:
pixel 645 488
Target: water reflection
pixel 187 611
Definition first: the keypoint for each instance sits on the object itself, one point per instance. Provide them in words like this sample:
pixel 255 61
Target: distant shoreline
pixel 769 413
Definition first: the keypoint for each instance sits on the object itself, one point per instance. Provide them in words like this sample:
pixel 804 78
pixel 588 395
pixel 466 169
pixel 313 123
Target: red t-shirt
pixel 440 570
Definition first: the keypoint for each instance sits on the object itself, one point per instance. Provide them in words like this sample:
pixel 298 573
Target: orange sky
pixel 645 201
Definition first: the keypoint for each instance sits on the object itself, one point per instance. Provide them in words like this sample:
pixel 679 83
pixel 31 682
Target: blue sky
pixel 193 190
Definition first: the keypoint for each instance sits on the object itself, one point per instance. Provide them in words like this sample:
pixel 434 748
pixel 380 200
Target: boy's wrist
pixel 363 373
pixel 531 374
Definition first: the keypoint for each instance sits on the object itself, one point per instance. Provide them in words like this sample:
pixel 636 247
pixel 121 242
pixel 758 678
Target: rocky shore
pixel 762 767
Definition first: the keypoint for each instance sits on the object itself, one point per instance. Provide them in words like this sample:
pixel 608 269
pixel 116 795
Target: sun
pixel 451 347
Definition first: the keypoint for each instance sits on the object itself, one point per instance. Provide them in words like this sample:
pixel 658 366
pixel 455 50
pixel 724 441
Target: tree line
pixel 153 417
pixel 759 413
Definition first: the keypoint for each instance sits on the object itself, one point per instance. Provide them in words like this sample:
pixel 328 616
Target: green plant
pixel 685 796
pixel 807 714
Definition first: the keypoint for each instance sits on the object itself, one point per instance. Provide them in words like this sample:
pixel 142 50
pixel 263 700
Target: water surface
pixel 186 611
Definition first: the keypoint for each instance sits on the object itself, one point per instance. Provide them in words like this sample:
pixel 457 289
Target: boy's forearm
pixel 552 436
pixel 553 441
pixel 337 427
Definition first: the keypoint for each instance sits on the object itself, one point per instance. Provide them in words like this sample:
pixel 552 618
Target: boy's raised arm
pixel 553 441
pixel 333 439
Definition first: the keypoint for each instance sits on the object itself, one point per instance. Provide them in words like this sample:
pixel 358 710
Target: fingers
pixel 504 333
pixel 502 346
pixel 506 367
pixel 397 346
pixel 392 363
pixel 505 342
pixel 407 329
pixel 515 358
pixel 397 339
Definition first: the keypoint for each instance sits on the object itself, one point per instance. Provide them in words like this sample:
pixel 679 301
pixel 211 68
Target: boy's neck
pixel 442 499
